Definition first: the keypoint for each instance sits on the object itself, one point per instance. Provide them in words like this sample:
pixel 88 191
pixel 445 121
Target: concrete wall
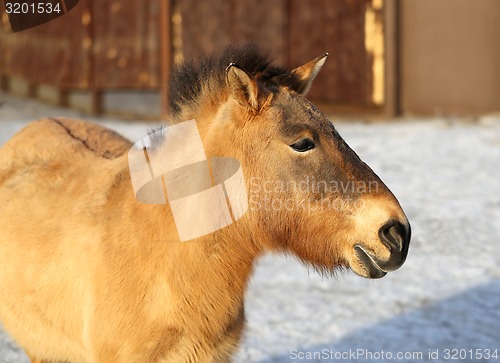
pixel 449 57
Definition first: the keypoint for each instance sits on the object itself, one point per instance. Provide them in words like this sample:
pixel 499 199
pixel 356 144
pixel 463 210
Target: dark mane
pixel 190 79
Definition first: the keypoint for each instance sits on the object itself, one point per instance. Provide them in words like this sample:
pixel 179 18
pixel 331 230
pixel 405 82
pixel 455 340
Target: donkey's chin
pixel 366 266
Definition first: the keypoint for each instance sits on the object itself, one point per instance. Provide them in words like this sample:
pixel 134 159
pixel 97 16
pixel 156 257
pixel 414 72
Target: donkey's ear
pixel 308 72
pixel 243 88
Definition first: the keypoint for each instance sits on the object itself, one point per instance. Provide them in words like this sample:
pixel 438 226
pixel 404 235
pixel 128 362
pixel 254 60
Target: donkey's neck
pixel 210 273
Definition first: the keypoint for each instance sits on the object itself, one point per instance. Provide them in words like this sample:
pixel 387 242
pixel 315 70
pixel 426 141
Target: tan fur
pixel 90 275
pixel 34 360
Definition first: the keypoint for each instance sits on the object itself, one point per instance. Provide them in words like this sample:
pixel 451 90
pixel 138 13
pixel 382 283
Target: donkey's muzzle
pixel 396 237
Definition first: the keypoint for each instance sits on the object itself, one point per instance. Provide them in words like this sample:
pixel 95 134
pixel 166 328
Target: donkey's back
pixel 51 188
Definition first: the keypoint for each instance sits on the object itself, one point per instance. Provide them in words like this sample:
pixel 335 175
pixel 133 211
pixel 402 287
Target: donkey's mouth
pixel 373 270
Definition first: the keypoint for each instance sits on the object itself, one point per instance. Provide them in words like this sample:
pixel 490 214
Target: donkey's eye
pixel 303 145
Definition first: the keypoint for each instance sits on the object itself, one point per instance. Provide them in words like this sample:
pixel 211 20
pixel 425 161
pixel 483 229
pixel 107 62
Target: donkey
pixel 84 275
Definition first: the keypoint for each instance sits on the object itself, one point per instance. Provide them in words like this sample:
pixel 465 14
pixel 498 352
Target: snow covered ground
pixel 446 174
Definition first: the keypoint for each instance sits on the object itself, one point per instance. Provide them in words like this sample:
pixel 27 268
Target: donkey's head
pixel 309 193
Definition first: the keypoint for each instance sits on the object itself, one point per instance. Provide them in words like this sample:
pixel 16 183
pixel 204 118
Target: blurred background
pixel 387 57
pixel 428 71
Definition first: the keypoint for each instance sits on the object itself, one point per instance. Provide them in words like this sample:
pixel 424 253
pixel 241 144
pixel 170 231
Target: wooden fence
pixel 120 44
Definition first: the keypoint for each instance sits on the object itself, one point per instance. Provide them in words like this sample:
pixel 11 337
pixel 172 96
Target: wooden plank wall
pixel 116 44
pixel 52 53
pixel 294 31
pixel 126 49
pixel 105 44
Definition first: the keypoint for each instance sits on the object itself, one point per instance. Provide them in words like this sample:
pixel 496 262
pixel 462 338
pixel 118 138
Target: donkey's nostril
pixel 395 236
